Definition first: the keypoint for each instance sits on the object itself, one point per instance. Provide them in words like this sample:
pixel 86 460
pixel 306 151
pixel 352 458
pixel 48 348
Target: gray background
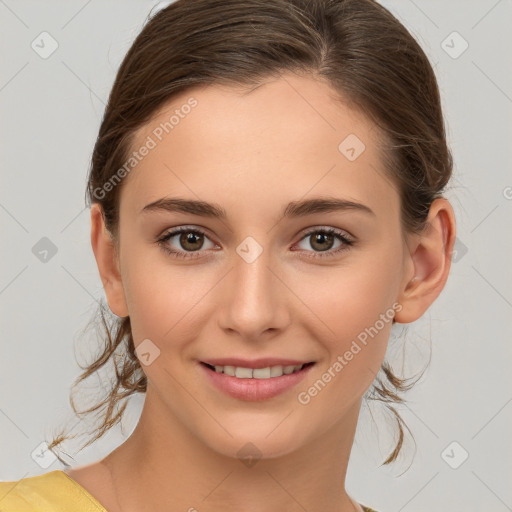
pixel 50 113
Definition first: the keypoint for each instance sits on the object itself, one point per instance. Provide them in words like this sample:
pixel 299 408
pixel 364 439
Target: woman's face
pixel 264 286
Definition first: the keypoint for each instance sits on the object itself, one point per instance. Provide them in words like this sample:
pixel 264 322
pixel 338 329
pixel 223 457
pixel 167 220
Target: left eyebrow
pixel 323 205
pixel 293 209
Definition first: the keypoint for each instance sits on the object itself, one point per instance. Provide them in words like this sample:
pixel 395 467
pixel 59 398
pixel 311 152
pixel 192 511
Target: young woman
pixel 266 201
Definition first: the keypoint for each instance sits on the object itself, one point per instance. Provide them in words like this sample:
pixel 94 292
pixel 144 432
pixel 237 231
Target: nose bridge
pixel 254 301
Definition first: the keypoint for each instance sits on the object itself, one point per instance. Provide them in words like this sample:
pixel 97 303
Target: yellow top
pixel 54 491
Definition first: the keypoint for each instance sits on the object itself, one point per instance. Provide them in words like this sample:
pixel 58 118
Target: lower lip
pixel 254 389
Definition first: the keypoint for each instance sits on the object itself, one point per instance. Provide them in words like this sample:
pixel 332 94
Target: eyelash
pixel 340 235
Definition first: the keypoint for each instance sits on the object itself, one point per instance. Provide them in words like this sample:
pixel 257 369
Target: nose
pixel 253 301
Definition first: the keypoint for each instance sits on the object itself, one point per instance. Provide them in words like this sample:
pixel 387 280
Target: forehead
pixel 288 137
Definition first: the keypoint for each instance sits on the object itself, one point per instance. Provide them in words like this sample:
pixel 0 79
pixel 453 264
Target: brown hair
pixel 356 46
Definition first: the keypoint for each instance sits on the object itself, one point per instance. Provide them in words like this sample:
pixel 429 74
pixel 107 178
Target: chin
pixel 260 441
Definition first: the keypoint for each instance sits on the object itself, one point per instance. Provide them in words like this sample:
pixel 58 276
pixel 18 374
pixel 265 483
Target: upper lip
pixel 253 363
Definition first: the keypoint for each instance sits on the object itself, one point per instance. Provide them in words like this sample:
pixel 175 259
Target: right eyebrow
pixel 192 206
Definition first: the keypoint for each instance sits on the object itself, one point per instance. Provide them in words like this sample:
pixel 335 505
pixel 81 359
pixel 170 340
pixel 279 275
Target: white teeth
pixel 261 373
pixel 276 371
pixel 258 373
pixel 228 370
pixel 243 373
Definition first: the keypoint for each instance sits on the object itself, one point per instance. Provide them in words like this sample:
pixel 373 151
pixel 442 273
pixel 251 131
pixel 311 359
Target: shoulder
pixel 51 492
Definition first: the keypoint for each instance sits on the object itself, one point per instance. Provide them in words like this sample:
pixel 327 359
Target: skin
pixel 252 154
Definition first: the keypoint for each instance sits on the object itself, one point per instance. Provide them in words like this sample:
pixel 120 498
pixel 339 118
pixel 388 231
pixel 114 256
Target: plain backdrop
pixel 51 106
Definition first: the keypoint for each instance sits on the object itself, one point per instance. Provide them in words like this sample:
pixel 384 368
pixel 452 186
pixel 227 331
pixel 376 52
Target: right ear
pixel 108 262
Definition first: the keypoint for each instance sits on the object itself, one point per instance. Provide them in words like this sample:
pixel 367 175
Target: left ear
pixel 431 256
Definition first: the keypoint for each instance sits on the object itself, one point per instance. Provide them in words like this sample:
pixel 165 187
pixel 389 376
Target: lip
pixel 263 362
pixel 254 389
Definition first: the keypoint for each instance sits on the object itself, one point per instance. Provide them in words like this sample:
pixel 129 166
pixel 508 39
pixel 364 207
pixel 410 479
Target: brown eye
pixel 322 241
pixel 191 240
pixel 185 243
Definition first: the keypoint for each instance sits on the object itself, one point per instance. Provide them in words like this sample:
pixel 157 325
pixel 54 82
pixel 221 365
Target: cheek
pixel 163 299
pixel 359 316
pixel 354 307
pixel 348 299
pixel 357 304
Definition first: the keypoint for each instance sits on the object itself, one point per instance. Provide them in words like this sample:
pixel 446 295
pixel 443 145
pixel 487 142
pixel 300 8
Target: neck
pixel 162 466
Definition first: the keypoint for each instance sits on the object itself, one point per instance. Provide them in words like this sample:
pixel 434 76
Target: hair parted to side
pixel 356 46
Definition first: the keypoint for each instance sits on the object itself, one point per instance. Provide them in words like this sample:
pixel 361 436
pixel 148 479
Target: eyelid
pixel 189 227
pixel 172 232
pixel 316 229
pixel 346 242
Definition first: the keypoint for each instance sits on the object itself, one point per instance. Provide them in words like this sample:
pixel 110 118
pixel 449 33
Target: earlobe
pixel 108 263
pixel 431 258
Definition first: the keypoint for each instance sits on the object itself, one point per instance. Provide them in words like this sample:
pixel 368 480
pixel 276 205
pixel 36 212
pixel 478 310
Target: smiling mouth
pixel 269 372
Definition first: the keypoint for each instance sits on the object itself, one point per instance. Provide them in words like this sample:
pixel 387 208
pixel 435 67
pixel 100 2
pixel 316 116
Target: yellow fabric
pixel 54 491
